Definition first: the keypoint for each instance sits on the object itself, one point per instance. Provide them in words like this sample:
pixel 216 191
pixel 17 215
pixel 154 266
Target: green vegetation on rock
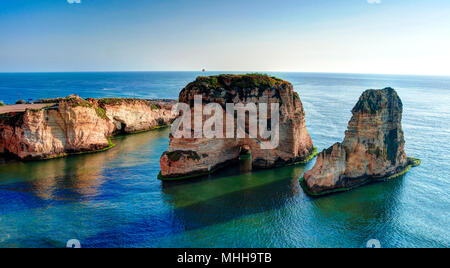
pixel 415 162
pixel 110 101
pixel 101 112
pixel 311 156
pixel 79 102
pixel 75 102
pixel 244 81
pixel 119 101
pixel 110 146
pixel 1 103
pixel 406 169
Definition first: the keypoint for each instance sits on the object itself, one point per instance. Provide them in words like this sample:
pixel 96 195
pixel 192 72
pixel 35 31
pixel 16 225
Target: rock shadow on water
pixel 223 199
pixel 358 213
pixel 219 205
pixel 234 205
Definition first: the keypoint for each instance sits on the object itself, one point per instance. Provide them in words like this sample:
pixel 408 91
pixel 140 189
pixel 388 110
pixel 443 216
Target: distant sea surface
pixel 114 199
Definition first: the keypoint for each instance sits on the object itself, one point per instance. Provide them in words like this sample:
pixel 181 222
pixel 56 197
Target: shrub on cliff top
pixel 251 80
pixel 1 103
pixel 119 101
pixel 255 80
pixel 20 102
pixel 110 101
pixel 77 101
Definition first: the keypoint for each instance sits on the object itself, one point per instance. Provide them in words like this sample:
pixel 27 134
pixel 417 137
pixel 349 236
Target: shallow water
pixel 113 199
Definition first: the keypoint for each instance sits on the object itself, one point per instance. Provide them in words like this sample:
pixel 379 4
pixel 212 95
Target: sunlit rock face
pixel 135 115
pixel 373 146
pixel 196 156
pixel 75 125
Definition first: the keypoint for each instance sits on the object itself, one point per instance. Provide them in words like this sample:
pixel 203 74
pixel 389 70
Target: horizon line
pixel 224 71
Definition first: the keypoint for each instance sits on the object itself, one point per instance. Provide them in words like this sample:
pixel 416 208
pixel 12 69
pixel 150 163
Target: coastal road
pixel 22 107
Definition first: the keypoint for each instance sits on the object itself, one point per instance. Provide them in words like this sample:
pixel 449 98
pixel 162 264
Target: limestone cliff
pixel 373 146
pixel 196 156
pixel 75 125
pixel 134 115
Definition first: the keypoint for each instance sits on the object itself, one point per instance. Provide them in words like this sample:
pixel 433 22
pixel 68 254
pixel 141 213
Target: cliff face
pixel 73 125
pixel 196 156
pixel 373 146
pixel 134 115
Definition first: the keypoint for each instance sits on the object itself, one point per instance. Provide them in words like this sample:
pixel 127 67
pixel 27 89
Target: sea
pixel 114 199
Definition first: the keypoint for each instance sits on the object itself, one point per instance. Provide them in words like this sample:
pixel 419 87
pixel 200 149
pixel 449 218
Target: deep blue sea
pixel 114 199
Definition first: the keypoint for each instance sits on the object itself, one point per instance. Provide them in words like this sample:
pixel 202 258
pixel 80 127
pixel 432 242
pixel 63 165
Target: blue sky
pixel 393 36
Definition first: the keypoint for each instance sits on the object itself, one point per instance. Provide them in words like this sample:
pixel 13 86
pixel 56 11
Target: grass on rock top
pixel 119 101
pixel 252 80
pixel 76 102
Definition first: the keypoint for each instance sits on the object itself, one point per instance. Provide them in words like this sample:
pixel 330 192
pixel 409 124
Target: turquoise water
pixel 113 199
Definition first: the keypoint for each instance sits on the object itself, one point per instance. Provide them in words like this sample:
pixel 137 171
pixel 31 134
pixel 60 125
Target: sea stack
pixel 189 157
pixel 72 125
pixel 373 147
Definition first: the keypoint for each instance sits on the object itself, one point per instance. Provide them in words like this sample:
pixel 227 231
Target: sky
pixel 345 36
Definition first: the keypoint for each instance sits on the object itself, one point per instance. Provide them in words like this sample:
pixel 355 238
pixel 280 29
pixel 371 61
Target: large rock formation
pixel 373 147
pixel 188 157
pixel 75 125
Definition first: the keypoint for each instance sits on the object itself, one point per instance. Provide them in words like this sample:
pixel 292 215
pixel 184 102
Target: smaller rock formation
pixel 373 147
pixel 74 125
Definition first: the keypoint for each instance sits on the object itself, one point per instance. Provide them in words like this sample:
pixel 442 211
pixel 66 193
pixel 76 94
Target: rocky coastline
pixel 372 150
pixel 72 125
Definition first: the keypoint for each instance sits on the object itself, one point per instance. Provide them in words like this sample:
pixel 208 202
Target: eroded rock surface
pixel 75 125
pixel 134 115
pixel 373 147
pixel 195 156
